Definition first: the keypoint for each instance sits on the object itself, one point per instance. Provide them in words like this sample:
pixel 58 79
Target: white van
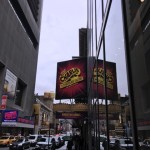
pixel 33 139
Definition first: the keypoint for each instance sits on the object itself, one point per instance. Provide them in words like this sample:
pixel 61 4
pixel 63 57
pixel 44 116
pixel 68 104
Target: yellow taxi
pixel 6 140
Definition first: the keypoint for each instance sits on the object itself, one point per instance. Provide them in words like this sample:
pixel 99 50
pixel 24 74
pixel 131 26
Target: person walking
pixel 117 145
pixel 70 144
pixel 53 144
pixel 104 144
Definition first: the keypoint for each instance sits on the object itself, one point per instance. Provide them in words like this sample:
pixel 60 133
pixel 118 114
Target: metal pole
pixel 49 136
pixel 105 82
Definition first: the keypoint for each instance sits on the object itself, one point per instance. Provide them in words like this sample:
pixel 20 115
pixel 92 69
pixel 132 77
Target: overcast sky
pixel 59 41
pixel 61 21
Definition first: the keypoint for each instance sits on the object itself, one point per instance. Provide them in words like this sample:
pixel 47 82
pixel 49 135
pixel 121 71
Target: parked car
pixel 6 140
pixel 102 139
pixel 66 138
pixel 20 144
pixel 19 137
pixel 140 142
pixel 33 139
pixel 145 145
pixel 44 143
pixel 126 143
pixel 112 142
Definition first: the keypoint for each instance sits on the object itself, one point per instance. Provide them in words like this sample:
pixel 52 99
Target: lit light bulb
pixel 142 1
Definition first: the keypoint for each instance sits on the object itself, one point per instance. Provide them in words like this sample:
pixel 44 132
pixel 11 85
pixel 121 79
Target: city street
pixel 61 148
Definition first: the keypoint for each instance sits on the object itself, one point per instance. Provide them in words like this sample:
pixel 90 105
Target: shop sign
pixel 27 121
pixel 70 115
pixel 2 107
pixel 10 116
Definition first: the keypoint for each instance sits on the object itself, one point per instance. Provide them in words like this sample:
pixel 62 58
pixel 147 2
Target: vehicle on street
pixel 126 143
pixel 102 139
pixel 145 145
pixel 34 139
pixel 18 137
pixel 44 143
pixel 66 138
pixel 20 144
pixel 112 142
pixel 6 140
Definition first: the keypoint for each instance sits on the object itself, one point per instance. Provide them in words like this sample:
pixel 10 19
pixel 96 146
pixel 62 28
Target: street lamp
pixel 141 1
pixel 49 136
pixel 34 116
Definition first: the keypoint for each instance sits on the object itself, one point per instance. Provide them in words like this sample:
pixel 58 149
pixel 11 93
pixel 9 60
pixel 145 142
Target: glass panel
pixel 116 76
pixel 138 24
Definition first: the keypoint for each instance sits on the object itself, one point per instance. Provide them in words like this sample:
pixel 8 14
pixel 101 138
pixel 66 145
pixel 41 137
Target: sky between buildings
pixel 59 41
pixel 61 21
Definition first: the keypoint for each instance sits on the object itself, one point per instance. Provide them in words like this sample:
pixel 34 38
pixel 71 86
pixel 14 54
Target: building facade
pixel 137 24
pixel 43 114
pixel 19 38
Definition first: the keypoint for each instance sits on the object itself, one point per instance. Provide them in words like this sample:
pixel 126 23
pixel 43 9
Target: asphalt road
pixel 61 148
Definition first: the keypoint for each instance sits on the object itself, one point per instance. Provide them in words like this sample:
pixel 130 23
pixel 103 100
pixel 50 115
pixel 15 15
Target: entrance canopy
pixel 62 107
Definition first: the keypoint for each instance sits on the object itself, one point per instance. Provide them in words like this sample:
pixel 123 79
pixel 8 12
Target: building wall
pixel 139 39
pixel 19 40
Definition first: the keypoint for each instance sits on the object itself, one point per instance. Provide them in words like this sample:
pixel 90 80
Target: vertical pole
pixel 49 136
pixel 34 122
pixel 105 82
pixel 129 74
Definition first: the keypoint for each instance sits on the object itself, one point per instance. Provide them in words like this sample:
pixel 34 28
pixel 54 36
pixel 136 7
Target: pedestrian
pixel 117 145
pixel 77 142
pixel 104 144
pixel 53 144
pixel 70 144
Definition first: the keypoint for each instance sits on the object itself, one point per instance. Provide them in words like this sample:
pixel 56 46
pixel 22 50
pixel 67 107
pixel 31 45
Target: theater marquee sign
pixel 112 108
pixel 99 80
pixel 71 79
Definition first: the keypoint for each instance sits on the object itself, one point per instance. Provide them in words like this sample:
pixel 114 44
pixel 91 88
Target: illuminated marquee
pixel 112 108
pixel 99 75
pixel 10 116
pixel 70 77
pixel 99 80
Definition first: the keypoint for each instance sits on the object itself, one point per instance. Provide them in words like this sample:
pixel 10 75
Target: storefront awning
pixel 112 108
pixel 17 124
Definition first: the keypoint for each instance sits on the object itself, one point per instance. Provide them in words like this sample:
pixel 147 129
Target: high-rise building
pixel 19 37
pixel 138 27
pixel 83 42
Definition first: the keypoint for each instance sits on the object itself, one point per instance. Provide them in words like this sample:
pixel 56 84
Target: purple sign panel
pixel 10 116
